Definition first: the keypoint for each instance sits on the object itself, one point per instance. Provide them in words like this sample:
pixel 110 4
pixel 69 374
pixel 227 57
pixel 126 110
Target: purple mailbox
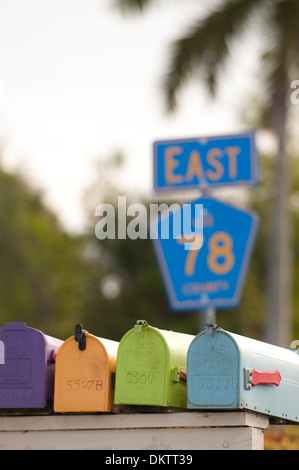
pixel 27 365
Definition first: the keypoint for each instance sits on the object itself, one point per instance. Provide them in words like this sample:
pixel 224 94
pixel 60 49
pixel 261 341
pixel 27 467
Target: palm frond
pixel 206 47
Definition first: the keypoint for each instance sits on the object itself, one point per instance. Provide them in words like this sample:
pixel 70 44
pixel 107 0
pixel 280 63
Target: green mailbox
pixel 151 367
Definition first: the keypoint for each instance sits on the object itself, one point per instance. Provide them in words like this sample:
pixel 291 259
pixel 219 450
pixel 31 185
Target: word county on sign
pixel 201 162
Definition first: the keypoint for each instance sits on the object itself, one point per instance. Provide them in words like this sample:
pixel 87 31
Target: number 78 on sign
pixel 210 272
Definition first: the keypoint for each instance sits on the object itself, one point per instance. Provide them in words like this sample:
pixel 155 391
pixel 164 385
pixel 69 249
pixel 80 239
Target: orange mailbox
pixel 83 371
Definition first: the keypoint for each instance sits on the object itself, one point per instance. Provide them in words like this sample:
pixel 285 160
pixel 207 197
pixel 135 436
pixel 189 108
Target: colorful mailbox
pixel 26 366
pixel 151 367
pixel 229 371
pixel 84 366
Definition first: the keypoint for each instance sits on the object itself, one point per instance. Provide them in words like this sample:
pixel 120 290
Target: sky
pixel 79 81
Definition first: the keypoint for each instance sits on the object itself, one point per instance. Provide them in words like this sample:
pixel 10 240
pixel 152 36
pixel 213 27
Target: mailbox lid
pixel 213 363
pixel 26 366
pixel 83 377
pixel 147 357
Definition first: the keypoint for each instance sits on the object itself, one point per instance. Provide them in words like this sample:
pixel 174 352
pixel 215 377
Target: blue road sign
pixel 206 162
pixel 212 274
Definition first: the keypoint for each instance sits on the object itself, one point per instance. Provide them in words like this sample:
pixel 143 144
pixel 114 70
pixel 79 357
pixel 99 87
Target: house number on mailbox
pixel 213 383
pixel 139 378
pixel 76 384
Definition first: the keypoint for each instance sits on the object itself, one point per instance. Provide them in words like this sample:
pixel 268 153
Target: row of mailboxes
pixel 214 370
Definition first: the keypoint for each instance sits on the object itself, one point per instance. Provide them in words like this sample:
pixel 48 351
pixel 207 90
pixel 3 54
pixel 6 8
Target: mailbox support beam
pixel 135 431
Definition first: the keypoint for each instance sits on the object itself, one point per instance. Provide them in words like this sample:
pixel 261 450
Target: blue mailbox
pixel 227 371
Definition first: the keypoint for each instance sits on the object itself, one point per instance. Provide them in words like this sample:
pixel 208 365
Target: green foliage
pixel 40 264
pixel 282 438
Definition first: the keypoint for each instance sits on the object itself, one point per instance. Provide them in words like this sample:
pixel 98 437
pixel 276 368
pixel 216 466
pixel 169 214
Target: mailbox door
pixel 213 372
pixel 141 363
pixel 23 367
pixel 82 378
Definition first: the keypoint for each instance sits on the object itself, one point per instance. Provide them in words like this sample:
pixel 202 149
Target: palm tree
pixel 203 52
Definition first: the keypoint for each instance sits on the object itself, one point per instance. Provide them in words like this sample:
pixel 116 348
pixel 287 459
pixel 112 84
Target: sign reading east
pixel 206 162
pixel 212 273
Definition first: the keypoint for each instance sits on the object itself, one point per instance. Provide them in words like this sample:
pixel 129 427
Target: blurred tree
pixel 203 52
pixel 42 268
